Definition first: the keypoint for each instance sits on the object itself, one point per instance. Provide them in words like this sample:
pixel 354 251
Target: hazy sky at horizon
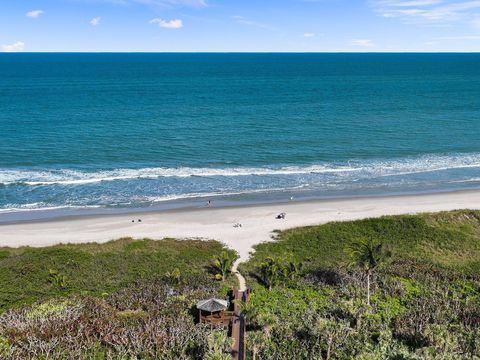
pixel 240 25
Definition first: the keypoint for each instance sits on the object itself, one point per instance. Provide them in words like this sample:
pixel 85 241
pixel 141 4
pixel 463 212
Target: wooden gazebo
pixel 214 312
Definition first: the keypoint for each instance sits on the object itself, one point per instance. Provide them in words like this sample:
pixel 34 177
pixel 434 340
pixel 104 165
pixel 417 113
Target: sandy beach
pixel 258 222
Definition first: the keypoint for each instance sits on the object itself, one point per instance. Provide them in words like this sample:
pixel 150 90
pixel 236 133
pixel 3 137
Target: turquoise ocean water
pixel 115 132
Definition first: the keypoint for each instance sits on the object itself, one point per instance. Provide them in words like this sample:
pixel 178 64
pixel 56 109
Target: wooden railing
pixel 221 319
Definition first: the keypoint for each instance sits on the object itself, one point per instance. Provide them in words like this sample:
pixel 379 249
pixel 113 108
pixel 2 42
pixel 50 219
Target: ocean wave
pixel 139 201
pixel 471 180
pixel 13 208
pixel 353 168
pixel 155 199
pixel 77 177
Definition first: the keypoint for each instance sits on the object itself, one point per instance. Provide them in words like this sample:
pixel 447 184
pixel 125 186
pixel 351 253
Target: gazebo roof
pixel 212 305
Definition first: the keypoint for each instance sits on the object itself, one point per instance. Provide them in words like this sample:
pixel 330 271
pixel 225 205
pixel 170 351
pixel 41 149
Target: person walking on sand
pixel 209 203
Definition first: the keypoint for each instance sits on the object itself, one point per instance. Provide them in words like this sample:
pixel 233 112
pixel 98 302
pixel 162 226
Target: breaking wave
pixel 23 190
pixel 353 169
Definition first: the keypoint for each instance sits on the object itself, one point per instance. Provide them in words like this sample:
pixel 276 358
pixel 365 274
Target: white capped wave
pixel 353 169
pixel 12 208
pixel 78 177
pixel 474 180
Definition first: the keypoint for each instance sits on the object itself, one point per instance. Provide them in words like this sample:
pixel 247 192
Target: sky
pixel 240 25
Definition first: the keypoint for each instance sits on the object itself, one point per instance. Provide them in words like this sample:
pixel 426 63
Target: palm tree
pixel 255 342
pixel 290 270
pixel 270 272
pixel 253 314
pixel 367 255
pixel 218 344
pixel 223 264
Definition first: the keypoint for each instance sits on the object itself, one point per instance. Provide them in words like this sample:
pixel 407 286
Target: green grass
pixel 95 269
pixel 448 240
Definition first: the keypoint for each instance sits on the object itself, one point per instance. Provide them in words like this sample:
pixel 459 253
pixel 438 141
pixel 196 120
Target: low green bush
pixel 425 295
pixel 29 275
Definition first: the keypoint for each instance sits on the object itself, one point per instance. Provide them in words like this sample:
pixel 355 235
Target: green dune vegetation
pixel 125 299
pixel 400 287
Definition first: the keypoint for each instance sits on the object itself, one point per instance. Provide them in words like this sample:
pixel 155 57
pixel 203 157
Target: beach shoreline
pixel 65 214
pixel 258 222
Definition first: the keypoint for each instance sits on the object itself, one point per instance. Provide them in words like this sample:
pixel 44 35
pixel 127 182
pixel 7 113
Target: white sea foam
pixel 76 177
pixel 12 208
pixel 155 199
pixel 353 169
pixel 139 200
pixel 176 185
pixel 471 180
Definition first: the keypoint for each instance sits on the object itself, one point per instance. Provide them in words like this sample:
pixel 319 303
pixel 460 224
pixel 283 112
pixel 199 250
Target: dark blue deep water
pixel 137 130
